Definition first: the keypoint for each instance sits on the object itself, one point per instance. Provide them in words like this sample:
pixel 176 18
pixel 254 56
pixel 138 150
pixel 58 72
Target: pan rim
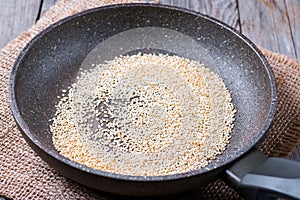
pixel 25 129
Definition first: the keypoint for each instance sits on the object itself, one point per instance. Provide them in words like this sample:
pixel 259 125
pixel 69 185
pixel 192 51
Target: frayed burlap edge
pixel 284 133
pixel 23 175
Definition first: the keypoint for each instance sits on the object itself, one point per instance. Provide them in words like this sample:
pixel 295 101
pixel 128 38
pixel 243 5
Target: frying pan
pixel 50 63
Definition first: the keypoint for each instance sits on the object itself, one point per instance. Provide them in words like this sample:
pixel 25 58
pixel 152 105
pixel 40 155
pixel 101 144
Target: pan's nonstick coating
pixel 51 62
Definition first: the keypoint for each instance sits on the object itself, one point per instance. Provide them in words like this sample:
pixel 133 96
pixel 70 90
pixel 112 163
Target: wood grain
pixel 266 23
pixel 15 17
pixel 198 6
pixel 224 10
pixel 46 5
pixel 272 24
pixel 293 12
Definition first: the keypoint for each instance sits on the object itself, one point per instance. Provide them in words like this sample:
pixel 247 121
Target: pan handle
pixel 256 176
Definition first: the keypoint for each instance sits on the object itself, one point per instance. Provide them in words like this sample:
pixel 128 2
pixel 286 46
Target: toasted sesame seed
pixel 144 115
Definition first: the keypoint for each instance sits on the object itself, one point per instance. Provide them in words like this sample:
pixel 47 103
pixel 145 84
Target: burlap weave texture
pixel 23 175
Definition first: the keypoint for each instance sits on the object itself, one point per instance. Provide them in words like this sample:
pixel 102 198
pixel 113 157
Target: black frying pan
pixel 50 63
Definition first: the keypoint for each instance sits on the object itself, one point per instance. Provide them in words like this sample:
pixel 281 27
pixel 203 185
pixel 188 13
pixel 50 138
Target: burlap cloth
pixel 23 175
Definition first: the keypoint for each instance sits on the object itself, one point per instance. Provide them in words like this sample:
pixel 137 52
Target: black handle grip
pixel 256 176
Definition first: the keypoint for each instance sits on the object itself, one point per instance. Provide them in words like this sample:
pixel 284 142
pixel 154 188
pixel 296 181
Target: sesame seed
pixel 144 115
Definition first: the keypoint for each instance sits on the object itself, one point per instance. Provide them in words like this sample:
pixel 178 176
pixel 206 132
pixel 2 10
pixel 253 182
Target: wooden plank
pixel 293 12
pixel 195 5
pixel 266 23
pixel 224 10
pixel 15 17
pixel 19 15
pixel 261 21
pixel 46 6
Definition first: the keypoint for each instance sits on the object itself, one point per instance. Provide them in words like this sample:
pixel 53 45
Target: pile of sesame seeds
pixel 144 115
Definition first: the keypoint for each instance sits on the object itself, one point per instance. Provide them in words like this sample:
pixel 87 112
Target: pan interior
pixel 52 61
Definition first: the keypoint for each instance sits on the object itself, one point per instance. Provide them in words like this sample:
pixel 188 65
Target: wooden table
pixel 272 24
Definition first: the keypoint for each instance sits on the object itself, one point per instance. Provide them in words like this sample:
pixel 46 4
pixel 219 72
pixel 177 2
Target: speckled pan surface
pixel 51 61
